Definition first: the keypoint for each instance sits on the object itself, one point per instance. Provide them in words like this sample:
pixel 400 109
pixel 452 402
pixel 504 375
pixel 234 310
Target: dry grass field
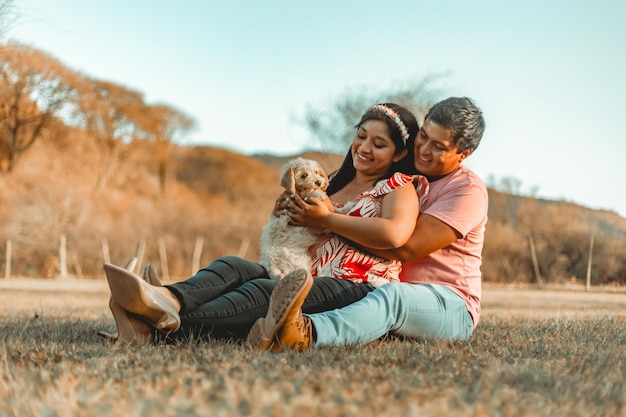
pixel 549 352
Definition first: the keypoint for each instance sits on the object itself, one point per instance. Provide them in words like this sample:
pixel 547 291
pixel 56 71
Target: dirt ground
pixel 89 299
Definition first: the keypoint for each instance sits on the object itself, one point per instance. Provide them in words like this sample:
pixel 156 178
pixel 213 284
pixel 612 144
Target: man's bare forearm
pixel 383 253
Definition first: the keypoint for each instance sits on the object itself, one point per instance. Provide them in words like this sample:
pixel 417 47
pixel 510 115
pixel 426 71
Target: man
pixel 440 289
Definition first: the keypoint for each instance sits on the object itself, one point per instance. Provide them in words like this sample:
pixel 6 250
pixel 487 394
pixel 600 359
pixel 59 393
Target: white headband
pixel 387 111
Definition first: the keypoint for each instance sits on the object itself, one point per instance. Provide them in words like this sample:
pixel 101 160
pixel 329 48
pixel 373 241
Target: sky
pixel 549 76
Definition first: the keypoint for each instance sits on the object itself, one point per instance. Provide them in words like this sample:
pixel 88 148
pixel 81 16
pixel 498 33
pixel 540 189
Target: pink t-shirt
pixel 460 200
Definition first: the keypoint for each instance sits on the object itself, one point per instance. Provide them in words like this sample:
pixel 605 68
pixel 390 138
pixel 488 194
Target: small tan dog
pixel 284 248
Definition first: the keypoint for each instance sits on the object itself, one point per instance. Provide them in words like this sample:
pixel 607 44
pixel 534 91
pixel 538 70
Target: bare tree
pixel 34 89
pixel 332 123
pixel 111 114
pixel 164 125
pixel 7 17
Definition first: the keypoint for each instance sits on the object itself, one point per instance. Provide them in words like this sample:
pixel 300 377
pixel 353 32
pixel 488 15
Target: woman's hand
pixel 309 212
pixel 282 204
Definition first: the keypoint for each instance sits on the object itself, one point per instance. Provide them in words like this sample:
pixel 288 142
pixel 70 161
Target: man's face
pixel 435 151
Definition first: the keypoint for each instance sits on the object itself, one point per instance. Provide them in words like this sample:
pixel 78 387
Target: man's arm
pixel 430 234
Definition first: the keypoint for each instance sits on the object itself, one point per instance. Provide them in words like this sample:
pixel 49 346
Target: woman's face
pixel 373 150
pixel 435 151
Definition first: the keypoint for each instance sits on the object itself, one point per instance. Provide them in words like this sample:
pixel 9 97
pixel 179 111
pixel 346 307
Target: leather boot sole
pixel 288 296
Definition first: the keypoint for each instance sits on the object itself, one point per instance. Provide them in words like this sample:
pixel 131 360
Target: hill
pixel 215 202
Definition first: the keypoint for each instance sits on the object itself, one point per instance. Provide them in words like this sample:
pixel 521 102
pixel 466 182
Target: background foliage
pixel 92 162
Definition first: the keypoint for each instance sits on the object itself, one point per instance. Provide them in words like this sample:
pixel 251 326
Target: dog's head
pixel 304 177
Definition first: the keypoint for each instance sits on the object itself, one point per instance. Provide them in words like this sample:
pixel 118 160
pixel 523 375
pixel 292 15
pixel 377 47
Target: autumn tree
pixel 111 114
pixel 332 123
pixel 34 89
pixel 163 125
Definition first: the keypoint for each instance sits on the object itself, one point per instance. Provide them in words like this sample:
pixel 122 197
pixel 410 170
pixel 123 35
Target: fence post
pixel 535 263
pixel 141 249
pixel 588 286
pixel 76 264
pixel 165 270
pixel 63 256
pixel 7 267
pixel 105 251
pixel 243 247
pixel 197 252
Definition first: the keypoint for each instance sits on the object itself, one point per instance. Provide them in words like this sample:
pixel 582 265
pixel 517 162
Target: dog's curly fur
pixel 284 248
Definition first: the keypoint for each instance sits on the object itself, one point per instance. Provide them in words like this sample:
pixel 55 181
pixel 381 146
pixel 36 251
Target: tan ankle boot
pixel 296 333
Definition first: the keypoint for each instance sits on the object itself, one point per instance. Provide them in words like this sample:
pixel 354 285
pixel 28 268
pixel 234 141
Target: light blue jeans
pixel 424 311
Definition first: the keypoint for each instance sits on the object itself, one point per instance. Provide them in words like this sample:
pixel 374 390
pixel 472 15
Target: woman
pixel 228 296
pixel 439 296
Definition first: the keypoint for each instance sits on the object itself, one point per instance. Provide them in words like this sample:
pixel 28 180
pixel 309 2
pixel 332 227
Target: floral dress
pixel 335 257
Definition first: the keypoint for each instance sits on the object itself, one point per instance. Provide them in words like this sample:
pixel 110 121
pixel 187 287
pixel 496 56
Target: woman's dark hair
pixel 346 172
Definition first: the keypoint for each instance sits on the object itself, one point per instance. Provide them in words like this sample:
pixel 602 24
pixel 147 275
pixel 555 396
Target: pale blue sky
pixel 550 76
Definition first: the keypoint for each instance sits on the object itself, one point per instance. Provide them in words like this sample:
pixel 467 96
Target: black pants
pixel 224 299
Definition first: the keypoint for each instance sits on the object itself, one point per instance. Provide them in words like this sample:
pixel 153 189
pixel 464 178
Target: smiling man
pixel 440 289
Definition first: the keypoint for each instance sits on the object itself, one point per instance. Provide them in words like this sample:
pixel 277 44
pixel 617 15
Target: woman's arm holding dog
pixel 398 216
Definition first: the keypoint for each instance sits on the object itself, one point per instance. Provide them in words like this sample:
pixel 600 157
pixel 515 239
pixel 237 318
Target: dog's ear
pixel 291 186
pixel 288 178
pixel 325 180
